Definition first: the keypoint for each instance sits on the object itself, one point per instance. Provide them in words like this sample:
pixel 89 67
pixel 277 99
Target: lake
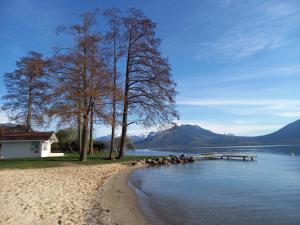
pixel 220 192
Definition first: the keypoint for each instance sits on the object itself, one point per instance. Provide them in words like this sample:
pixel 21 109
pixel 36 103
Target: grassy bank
pixel 68 159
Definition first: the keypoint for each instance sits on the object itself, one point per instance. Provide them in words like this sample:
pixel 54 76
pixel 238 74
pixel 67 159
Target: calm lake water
pixel 219 192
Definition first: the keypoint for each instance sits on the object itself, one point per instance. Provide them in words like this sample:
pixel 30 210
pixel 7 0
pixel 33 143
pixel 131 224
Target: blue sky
pixel 236 63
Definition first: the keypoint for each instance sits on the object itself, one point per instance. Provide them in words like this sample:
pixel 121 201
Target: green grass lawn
pixel 69 158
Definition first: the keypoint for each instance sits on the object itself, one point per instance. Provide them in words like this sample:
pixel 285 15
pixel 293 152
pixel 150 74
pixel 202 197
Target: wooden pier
pixel 227 155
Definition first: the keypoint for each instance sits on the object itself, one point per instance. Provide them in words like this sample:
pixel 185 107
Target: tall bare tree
pixel 66 85
pixel 100 92
pixel 77 74
pixel 114 40
pixel 27 91
pixel 149 91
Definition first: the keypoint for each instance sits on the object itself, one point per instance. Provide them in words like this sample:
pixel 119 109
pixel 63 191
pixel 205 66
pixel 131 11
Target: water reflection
pixel 263 191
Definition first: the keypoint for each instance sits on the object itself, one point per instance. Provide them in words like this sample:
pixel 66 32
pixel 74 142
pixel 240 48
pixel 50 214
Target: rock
pixel 191 159
pixel 182 156
pixel 151 162
pixel 155 162
pixel 142 161
pixel 174 160
pixel 166 160
pixel 184 160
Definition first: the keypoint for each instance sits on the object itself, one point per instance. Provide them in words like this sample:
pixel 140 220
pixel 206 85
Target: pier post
pixel 244 158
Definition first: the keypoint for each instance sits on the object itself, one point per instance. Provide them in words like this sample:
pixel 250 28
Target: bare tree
pixel 77 73
pixel 149 91
pixel 66 95
pixel 91 141
pixel 100 92
pixel 114 41
pixel 27 91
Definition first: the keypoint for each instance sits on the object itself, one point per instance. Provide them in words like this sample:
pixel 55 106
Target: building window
pixel 35 146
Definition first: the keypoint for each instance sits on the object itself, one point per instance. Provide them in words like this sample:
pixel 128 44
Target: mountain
pixel 290 134
pixel 133 138
pixel 104 138
pixel 192 136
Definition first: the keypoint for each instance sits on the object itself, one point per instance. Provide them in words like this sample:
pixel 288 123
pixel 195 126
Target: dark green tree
pixel 66 137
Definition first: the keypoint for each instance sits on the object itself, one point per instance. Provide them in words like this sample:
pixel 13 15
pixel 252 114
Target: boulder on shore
pixel 172 159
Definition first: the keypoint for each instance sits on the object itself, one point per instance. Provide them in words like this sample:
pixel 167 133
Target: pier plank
pixel 227 155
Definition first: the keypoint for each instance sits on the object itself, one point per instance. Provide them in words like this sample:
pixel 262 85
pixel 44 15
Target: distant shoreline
pixel 212 147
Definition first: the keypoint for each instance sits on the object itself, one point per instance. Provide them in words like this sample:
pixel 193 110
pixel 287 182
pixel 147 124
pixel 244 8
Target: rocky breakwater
pixel 162 161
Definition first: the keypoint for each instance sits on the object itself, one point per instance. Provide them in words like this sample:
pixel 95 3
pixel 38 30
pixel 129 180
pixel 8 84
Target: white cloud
pixel 290 114
pixel 3 117
pixel 286 108
pixel 244 73
pixel 240 102
pixel 239 74
pixel 254 26
pixel 281 9
pixel 246 44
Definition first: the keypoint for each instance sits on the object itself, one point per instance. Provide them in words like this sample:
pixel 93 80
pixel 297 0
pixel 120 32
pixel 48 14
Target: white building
pixel 27 145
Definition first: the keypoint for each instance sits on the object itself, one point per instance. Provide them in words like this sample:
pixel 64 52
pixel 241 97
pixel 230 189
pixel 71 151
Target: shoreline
pixel 121 203
pixel 71 195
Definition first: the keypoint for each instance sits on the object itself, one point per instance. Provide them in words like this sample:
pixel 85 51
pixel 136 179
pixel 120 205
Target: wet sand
pixel 120 201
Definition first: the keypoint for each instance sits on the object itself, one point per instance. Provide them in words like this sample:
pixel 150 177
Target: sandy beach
pixel 69 195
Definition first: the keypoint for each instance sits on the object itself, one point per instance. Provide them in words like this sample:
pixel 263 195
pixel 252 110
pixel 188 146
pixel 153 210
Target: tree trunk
pixel 113 124
pixel 83 153
pixel 91 143
pixel 112 143
pixel 79 133
pixel 70 147
pixel 125 112
pixel 124 132
pixel 29 106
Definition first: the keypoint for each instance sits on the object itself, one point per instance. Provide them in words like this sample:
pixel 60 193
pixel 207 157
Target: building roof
pixel 37 136
pixel 13 128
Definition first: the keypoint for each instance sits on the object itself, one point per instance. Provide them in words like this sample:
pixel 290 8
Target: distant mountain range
pixel 133 138
pixel 195 136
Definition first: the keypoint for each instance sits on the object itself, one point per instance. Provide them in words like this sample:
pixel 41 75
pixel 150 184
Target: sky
pixel 236 63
